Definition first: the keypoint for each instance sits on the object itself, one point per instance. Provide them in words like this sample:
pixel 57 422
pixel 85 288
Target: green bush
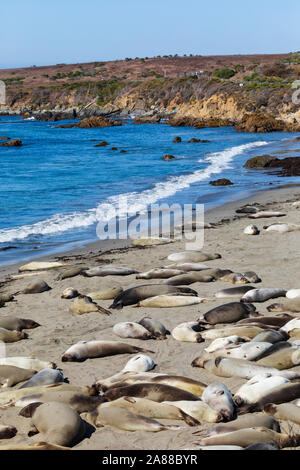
pixel 224 73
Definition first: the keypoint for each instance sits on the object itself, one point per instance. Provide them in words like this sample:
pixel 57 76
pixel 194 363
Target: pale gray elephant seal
pixel 58 423
pixel 281 394
pixel 191 278
pixel 71 272
pixel 109 271
pixel 193 257
pixel 44 377
pixel 13 323
pixel 135 294
pixel 132 330
pixel 11 375
pixel 36 287
pixel 88 349
pixel 155 327
pixel 286 306
pixel 229 313
pixel 262 295
pixel 271 336
pixel 218 397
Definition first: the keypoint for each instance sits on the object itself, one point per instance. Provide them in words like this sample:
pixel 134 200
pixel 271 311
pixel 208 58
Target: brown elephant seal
pixel 234 278
pixel 71 272
pixel 11 375
pixel 151 391
pixel 244 331
pixel 44 377
pixel 193 256
pixel 159 273
pixel 132 330
pixel 89 349
pixel 106 294
pixel 136 294
pixel 218 397
pixel 69 293
pixel 83 304
pixel 229 313
pixel 262 295
pixel 254 420
pixel 108 271
pixel 187 279
pixel 283 412
pixel 278 321
pixel 283 359
pixel 80 402
pixel 36 287
pixel 252 277
pixel 7 432
pixel 6 298
pixel 8 336
pixel 156 328
pixel 233 292
pixel 13 323
pixel 292 305
pixel 271 336
pixel 126 420
pixel 58 423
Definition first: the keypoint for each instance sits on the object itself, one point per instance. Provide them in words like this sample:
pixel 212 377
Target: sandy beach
pixel 273 256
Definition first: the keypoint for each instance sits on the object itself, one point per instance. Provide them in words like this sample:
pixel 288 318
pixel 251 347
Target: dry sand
pixel 274 257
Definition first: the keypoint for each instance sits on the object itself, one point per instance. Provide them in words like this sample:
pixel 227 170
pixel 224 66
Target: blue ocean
pixel 53 187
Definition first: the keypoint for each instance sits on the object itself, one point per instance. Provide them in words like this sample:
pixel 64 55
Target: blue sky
pixel 37 32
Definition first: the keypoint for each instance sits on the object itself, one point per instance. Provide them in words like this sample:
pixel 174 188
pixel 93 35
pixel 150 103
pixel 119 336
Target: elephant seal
pixel 283 359
pixel 262 295
pixel 159 273
pixel 234 278
pixel 252 277
pixel 293 324
pixel 262 446
pixel 89 349
pixel 132 330
pixel 152 391
pixel 6 298
pixel 244 421
pixel 83 304
pixel 172 300
pixel 282 228
pixel 126 420
pixel 106 294
pixel 139 363
pixel 27 363
pixel 271 336
pixel 156 328
pixel 286 306
pixel 136 294
pixel 283 412
pixel 221 343
pixel 218 397
pixel 229 313
pixel 193 257
pixel 78 401
pixel 71 272
pixel 231 367
pixel 266 214
pixel 251 230
pixel 245 331
pixel 11 375
pixel 191 278
pixel 151 409
pixel 185 332
pixel 151 241
pixel 278 321
pixel 187 266
pixel 108 271
pixel 7 432
pixel 69 293
pixel 8 336
pixel 36 265
pixel 233 292
pixel 246 437
pixel 36 287
pixel 13 323
pixel 281 394
pixel 198 410
pixel 58 423
pixel 256 388
pixel 44 377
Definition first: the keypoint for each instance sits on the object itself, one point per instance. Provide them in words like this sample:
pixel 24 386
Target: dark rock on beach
pixel 221 182
pixel 287 167
pixel 146 120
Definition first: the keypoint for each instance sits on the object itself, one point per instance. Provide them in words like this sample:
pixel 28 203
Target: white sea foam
pixel 128 203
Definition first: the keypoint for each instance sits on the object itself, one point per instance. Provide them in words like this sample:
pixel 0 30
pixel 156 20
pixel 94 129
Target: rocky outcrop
pixel 55 116
pixel 259 123
pixel 221 182
pixel 286 167
pixel 261 161
pixel 93 121
pixel 146 120
pixel 12 143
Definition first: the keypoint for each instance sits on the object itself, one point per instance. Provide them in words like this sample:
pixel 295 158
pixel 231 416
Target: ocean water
pixel 54 187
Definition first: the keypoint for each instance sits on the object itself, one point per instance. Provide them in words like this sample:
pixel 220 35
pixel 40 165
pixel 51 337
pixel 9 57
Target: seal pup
pixel 252 277
pixel 185 332
pixel 89 349
pixel 247 331
pixel 153 391
pixel 266 214
pixel 27 363
pixel 286 306
pixel 251 230
pixel 69 293
pixel 83 304
pixel 36 287
pixel 233 292
pixel 191 278
pixel 159 273
pixel 221 343
pixel 199 410
pixel 58 423
pixel 71 272
pixel 257 388
pixel 136 294
pixel 282 228
pixel 13 323
pixel 132 330
pixel 172 300
pixel 11 375
pixel 283 412
pixel 218 397
pixel 111 270
pixel 106 294
pixel 234 278
pixel 242 422
pixel 187 266
pixel 229 313
pixel 126 420
pixel 139 363
pixel 193 256
pixel 151 241
pixel 155 327
pixel 42 265
pixel 44 377
pixel 263 294
pixel 8 336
